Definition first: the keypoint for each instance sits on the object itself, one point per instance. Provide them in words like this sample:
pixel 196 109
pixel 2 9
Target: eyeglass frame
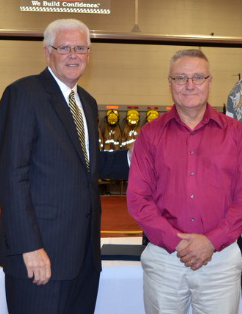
pixel 189 78
pixel 70 48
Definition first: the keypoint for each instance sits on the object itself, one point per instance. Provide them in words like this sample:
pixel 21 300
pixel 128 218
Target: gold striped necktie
pixel 78 119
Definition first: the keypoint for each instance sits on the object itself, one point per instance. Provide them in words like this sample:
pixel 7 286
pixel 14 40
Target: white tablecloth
pixel 120 291
pixel 120 288
pixel 3 305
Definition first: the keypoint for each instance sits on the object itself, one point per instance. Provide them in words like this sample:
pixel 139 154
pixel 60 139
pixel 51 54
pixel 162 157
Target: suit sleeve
pixel 113 165
pixel 17 138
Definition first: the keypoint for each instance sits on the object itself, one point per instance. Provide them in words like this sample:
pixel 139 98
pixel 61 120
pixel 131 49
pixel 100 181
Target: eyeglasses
pixel 65 50
pixel 182 80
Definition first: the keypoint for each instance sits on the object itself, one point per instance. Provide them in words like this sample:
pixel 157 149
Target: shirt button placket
pixel 191 174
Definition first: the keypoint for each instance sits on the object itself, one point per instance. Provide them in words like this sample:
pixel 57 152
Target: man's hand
pixel 181 245
pixel 38 266
pixel 194 250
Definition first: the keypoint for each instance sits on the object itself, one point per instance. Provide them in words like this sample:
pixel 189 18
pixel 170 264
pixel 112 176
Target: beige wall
pixel 222 17
pixel 132 74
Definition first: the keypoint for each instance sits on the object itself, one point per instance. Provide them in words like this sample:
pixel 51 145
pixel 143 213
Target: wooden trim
pixel 135 38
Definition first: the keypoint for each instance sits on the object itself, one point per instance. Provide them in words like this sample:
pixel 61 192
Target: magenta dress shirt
pixel 188 181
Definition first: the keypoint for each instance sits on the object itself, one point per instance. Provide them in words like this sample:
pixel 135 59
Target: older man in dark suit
pixel 49 166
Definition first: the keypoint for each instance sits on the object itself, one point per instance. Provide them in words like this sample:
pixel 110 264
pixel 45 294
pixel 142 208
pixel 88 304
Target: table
pixel 120 288
pixel 3 305
pixel 120 291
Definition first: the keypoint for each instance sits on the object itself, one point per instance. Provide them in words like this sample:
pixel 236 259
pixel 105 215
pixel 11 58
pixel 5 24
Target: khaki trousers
pixel 170 287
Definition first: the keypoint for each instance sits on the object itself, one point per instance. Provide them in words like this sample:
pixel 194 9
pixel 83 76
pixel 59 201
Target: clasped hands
pixel 194 250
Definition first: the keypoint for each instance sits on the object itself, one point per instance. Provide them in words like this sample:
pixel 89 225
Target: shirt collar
pixel 64 88
pixel 210 114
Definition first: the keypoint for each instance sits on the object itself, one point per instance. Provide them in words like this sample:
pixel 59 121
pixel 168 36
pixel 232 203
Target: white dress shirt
pixel 66 92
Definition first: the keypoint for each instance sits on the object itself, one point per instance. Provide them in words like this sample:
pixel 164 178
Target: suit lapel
pixel 58 102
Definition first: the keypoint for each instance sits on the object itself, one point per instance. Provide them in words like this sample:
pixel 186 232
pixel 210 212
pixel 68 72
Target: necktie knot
pixel 72 95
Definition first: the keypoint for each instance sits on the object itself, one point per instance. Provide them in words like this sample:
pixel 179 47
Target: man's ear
pixel 47 54
pixel 169 80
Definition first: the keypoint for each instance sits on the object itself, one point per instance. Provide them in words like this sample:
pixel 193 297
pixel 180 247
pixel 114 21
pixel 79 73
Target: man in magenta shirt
pixel 185 192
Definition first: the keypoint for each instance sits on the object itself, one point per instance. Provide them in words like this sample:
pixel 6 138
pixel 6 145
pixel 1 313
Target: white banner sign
pixel 70 6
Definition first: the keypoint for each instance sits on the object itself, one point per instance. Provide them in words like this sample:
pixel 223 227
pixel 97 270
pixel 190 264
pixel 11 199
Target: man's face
pixel 68 68
pixel 190 95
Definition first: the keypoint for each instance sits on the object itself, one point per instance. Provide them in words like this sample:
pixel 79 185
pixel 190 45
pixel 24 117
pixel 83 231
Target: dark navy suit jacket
pixel 49 200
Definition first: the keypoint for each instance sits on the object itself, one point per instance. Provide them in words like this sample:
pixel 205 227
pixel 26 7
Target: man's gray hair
pixel 64 24
pixel 193 53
